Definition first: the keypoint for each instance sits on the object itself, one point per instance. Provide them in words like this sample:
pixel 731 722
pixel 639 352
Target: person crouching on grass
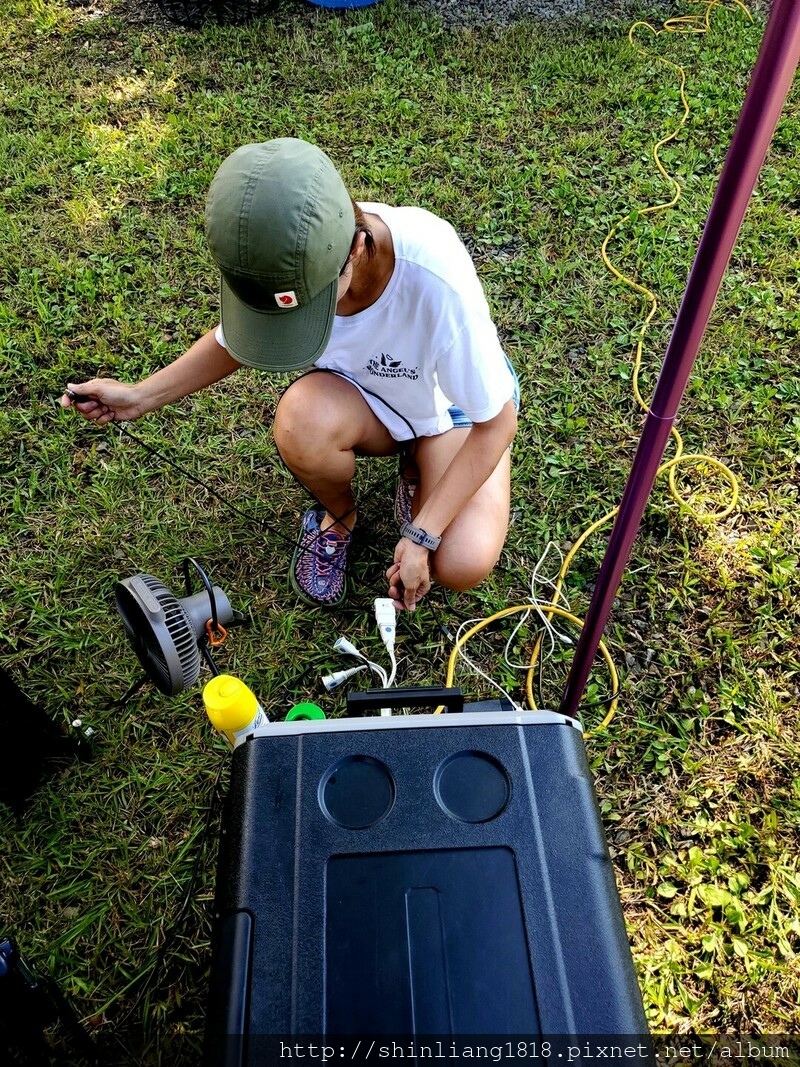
pixel 387 301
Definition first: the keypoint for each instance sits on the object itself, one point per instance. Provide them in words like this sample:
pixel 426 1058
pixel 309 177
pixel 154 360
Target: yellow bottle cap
pixel 230 704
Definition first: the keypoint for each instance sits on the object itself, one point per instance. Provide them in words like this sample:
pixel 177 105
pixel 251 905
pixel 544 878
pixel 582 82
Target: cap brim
pixel 277 340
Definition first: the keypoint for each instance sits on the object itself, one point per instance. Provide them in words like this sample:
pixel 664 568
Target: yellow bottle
pixel 232 707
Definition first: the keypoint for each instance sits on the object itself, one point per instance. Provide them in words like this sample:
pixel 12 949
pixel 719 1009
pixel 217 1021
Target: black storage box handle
pixel 410 697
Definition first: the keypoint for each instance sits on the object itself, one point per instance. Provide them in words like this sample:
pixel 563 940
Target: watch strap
pixel 420 536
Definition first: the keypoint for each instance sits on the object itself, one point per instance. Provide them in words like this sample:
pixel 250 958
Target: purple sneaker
pixel 404 494
pixel 318 565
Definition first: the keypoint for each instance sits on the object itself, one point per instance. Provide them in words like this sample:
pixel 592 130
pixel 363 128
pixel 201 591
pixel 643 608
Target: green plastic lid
pixel 306 710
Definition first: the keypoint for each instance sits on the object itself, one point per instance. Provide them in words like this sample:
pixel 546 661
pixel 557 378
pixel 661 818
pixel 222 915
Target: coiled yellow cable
pixel 697 23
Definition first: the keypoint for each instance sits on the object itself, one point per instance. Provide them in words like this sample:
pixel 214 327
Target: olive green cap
pixel 279 223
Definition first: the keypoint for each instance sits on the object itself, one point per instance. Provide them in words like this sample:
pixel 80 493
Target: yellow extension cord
pixel 694 24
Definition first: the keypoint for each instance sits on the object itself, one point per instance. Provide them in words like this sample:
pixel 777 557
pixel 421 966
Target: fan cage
pixel 180 670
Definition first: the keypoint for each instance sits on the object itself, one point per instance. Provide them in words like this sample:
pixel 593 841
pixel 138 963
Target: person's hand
pixel 106 399
pixel 409 576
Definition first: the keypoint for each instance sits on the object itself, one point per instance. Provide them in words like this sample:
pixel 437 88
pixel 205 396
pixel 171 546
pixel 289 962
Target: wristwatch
pixel 419 536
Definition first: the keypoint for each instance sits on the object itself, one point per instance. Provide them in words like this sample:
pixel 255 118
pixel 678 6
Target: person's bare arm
pixel 203 364
pixel 469 469
pixel 409 575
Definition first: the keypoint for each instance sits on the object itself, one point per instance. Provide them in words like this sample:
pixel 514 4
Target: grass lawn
pixel 534 141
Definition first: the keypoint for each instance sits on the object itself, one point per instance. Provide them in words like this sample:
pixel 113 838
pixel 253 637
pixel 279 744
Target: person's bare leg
pixel 322 422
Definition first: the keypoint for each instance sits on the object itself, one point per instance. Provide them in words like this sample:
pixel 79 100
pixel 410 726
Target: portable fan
pixel 168 633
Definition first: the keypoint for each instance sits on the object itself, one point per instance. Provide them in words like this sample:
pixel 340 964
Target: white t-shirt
pixel 428 342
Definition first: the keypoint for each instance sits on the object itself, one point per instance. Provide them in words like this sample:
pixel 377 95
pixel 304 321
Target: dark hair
pixel 362 226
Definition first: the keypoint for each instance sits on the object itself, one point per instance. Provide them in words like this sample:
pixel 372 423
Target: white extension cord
pixel 386 618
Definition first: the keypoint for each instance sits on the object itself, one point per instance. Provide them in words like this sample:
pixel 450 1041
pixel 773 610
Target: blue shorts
pixel 460 420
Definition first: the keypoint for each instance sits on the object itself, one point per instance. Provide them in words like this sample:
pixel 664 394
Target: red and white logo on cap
pixel 286 300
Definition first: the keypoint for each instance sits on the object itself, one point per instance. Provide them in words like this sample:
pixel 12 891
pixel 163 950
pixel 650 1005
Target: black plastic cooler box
pixel 416 874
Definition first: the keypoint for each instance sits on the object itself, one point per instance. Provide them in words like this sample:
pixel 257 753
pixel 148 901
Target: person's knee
pixel 304 427
pixel 462 567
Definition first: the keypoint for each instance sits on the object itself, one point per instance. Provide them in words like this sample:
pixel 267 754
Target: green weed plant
pixel 533 140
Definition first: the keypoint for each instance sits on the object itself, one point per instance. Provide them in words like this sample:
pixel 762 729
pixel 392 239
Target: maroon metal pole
pixel 769 85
